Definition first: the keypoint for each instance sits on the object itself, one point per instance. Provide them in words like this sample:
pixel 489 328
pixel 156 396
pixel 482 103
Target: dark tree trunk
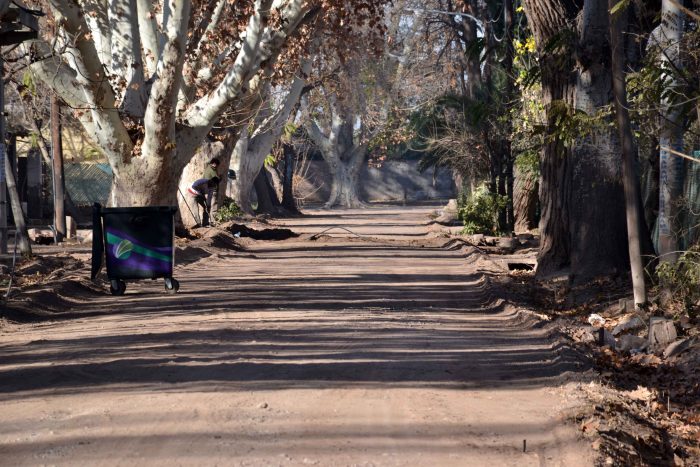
pixel 288 201
pixel 472 61
pixel 597 222
pixel 548 19
pixel 267 198
pixel 582 208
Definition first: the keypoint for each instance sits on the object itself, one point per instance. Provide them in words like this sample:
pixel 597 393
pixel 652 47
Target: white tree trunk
pixel 345 173
pixel 671 136
pixel 264 137
pixel 131 47
pixel 126 56
pixel 190 212
pixel 343 155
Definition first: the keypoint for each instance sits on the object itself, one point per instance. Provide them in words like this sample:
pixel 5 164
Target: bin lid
pixel 140 210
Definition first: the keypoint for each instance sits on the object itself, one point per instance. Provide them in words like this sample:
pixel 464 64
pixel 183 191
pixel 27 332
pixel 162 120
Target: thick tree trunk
pixel 671 136
pixel 525 200
pixel 633 208
pixel 597 222
pixel 547 19
pixel 345 173
pixel 189 210
pixel 345 158
pixel 472 61
pixel 245 173
pixel 140 183
pixel 268 203
pixel 582 223
pixel 650 185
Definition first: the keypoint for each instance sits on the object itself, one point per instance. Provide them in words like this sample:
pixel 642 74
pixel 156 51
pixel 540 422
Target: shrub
pixel 479 211
pixel 682 279
pixel 227 211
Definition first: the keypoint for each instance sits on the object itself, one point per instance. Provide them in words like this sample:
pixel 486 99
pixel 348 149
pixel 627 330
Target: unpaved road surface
pixel 383 349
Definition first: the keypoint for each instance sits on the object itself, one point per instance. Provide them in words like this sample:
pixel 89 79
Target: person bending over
pixel 203 190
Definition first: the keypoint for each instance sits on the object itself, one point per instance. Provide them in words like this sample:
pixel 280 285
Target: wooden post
pixel 59 214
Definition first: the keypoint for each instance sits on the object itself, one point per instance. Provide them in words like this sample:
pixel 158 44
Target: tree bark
pixel 525 200
pixel 146 170
pixel 268 203
pixel 288 201
pixel 344 157
pixel 345 173
pixel 507 158
pixel 597 203
pixel 245 172
pixel 270 126
pixel 59 214
pixel 633 208
pixel 578 235
pixel 671 136
pixel 21 235
pixel 548 19
pixel 189 209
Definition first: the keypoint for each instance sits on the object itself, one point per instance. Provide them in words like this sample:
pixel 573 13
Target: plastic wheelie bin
pixel 136 243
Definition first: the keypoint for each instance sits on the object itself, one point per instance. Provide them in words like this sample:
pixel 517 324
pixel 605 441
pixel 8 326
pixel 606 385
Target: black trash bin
pixel 138 243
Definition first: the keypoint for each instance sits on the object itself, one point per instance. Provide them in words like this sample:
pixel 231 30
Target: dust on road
pixel 378 346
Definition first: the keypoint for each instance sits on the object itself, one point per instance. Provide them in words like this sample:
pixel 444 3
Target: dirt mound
pixel 226 241
pixel 240 230
pixel 190 254
pixel 51 300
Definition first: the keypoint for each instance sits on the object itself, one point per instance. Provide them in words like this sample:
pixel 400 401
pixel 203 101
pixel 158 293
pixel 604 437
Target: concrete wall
pixel 393 181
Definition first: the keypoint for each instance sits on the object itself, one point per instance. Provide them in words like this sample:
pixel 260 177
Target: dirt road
pixel 389 350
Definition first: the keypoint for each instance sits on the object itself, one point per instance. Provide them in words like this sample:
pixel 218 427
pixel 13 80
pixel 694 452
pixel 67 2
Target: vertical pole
pixel 3 161
pixel 59 214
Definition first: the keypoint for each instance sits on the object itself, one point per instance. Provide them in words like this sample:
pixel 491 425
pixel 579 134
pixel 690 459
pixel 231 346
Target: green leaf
pixel 270 160
pixel 619 7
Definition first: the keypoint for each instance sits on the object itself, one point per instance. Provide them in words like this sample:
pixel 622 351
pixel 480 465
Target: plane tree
pixel 149 79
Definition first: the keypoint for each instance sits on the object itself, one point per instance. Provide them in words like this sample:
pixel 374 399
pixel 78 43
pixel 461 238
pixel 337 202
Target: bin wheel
pixel 171 285
pixel 117 287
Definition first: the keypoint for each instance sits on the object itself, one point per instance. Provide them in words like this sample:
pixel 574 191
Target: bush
pixel 479 211
pixel 682 279
pixel 227 211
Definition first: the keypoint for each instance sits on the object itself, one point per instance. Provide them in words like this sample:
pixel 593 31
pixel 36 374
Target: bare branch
pixel 159 137
pixel 149 36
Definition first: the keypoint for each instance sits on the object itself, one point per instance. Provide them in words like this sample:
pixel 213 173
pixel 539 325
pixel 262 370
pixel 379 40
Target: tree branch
pixel 260 45
pixel 98 21
pixel 103 126
pixel 127 63
pixel 159 137
pixel 149 36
